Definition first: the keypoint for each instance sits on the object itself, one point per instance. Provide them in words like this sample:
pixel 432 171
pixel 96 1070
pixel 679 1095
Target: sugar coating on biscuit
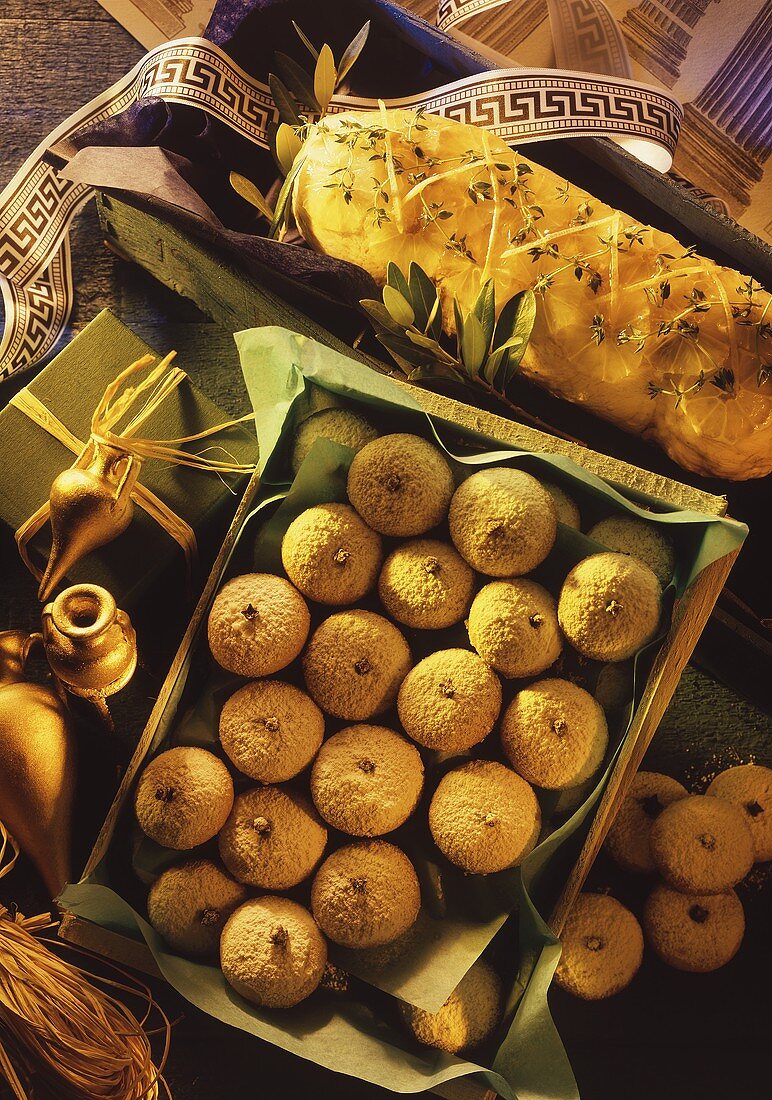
pixel 513 625
pixel 602 948
pixel 502 521
pixel 426 584
pixel 610 606
pixel 271 730
pixel 367 780
pixel 554 734
pixel 449 701
pixel 272 952
pixel 470 1014
pixel 273 839
pixel 354 664
pixel 400 485
pixel 642 540
pixel 340 426
pixel 189 903
pixel 565 506
pixel 614 687
pixel 258 624
pixel 749 786
pixel 183 797
pixel 366 894
pixel 629 838
pixel 484 817
pixel 331 555
pixel 702 845
pixel 693 932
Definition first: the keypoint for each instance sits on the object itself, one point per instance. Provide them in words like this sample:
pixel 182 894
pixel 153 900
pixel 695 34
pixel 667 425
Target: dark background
pixel 668 1036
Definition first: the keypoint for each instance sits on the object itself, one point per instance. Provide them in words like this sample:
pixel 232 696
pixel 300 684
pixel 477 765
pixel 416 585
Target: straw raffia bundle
pixel 63 1033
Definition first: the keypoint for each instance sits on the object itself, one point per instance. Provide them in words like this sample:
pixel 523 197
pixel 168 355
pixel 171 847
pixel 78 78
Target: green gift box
pixel 70 388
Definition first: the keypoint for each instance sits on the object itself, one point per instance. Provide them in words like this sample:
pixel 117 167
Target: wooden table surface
pixel 670 1035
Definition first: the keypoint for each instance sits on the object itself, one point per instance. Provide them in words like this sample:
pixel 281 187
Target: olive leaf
pixel 423 341
pixel 288 145
pixel 395 278
pixel 380 314
pixel 515 322
pixel 398 306
pixel 283 200
pixel 402 351
pixel 474 347
pixel 434 321
pixel 424 299
pixel 459 319
pixel 297 80
pixel 306 41
pixel 325 77
pixel 408 323
pixel 285 104
pixel 351 53
pixel 485 310
pixel 244 187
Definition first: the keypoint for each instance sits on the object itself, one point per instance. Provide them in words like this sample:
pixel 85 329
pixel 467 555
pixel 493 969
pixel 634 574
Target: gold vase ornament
pixel 90 644
pixel 37 763
pixel 90 505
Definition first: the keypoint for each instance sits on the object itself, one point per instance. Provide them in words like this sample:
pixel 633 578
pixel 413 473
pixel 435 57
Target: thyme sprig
pixel 674 390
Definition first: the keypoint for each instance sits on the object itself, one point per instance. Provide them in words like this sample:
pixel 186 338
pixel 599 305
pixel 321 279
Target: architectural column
pixel 727 132
pixel 658 34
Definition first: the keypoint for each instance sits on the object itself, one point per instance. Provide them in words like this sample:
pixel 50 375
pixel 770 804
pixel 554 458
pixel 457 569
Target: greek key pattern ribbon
pixel 38 205
pixel 585 34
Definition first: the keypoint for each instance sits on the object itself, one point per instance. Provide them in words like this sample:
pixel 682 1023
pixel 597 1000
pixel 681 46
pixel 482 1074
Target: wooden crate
pixel 241 303
pixel 737 647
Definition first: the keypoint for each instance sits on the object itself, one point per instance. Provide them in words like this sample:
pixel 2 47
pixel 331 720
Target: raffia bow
pixel 122 452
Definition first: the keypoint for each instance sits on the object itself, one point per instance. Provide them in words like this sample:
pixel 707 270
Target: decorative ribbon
pixel 113 406
pixel 520 105
pixel 585 34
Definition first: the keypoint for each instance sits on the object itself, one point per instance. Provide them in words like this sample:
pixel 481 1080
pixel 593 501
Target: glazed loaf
pixel 630 323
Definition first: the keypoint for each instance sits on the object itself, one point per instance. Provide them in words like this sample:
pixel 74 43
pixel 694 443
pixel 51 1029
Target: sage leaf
pixel 473 345
pixel 325 77
pixel 306 41
pixel 244 187
pixel 288 145
pixel 352 52
pixel 398 306
pixel 297 80
pixel 285 104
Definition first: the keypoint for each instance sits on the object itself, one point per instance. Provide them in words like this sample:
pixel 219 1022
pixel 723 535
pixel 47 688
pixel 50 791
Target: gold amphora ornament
pixel 37 763
pixel 90 644
pixel 90 505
